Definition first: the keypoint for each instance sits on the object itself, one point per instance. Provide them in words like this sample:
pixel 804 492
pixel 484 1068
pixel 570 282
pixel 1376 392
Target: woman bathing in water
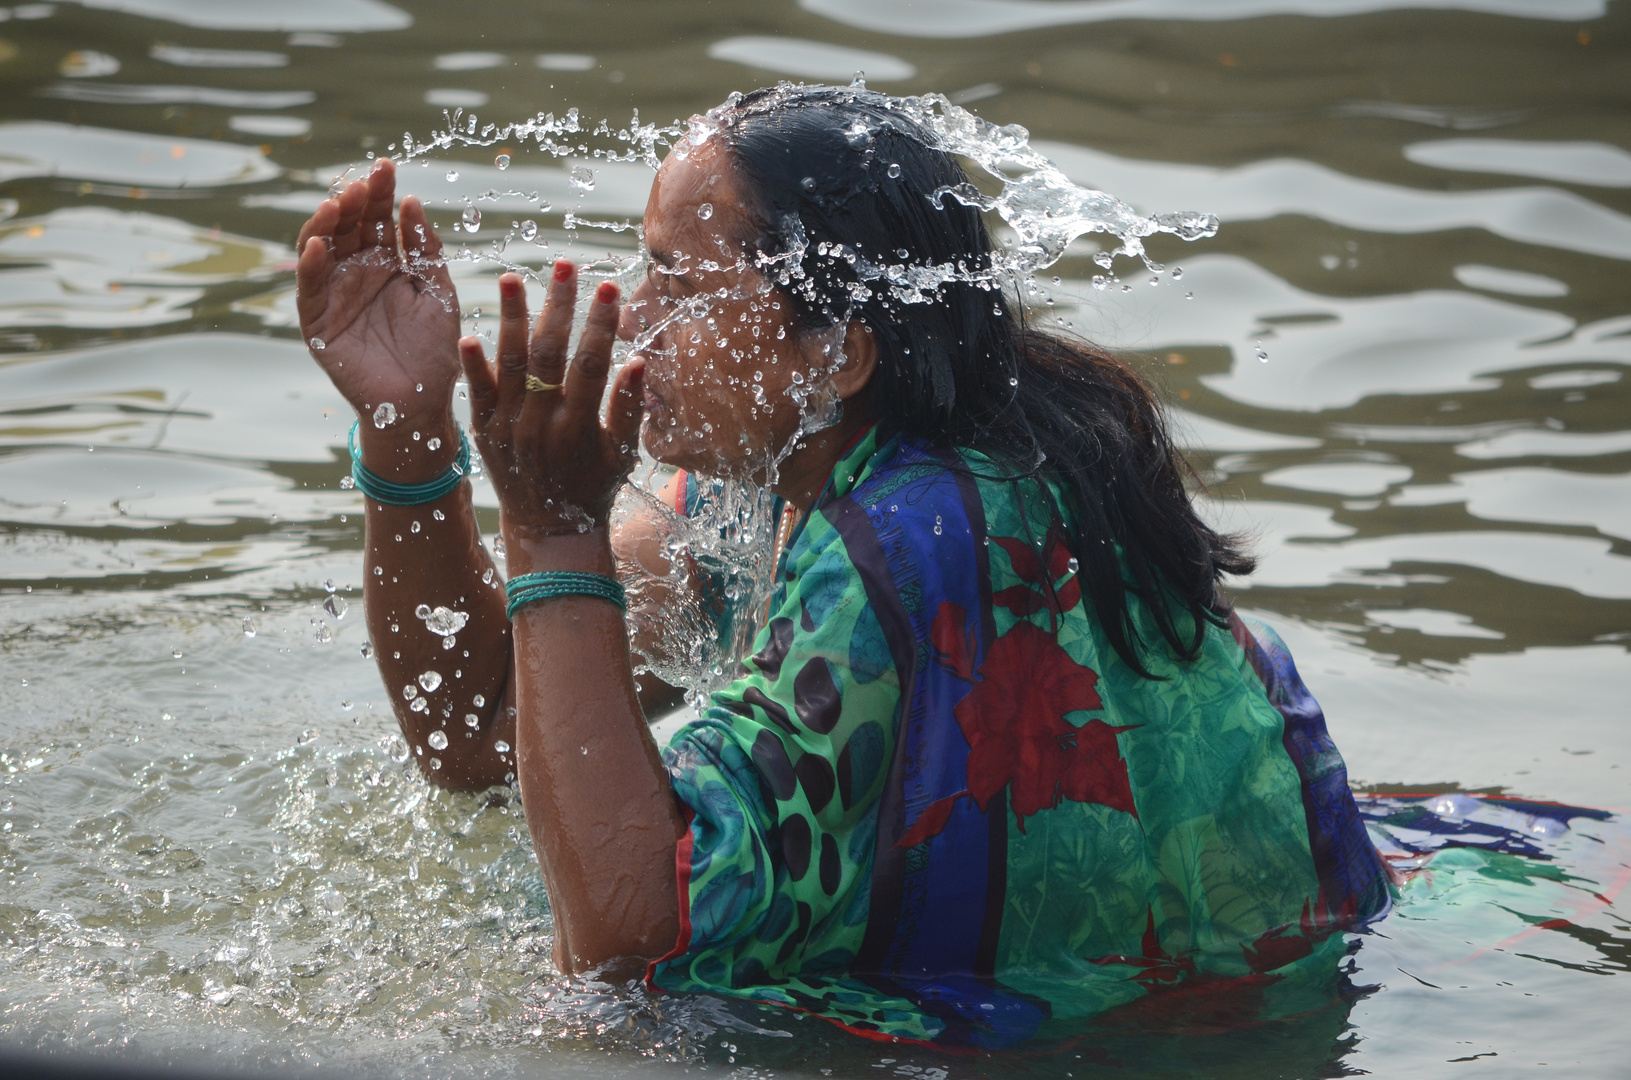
pixel 1002 752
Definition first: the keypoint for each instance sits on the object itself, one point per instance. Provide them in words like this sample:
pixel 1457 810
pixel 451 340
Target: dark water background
pixel 207 847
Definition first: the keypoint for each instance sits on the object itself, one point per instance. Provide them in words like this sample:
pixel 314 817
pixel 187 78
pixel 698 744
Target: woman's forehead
pixel 694 203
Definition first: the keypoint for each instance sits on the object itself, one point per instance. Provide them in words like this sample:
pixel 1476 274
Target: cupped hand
pixel 379 299
pixel 555 465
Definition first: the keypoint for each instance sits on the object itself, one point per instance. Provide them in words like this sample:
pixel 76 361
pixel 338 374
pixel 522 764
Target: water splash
pixel 730 535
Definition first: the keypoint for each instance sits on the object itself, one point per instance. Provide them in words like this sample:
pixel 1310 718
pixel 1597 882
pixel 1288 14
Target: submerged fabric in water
pixel 937 806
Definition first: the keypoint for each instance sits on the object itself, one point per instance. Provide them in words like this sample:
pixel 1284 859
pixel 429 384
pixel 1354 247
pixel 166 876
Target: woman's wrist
pixel 535 548
pixel 409 450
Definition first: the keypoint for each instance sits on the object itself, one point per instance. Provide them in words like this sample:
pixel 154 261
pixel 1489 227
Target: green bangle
pixel 390 493
pixel 527 588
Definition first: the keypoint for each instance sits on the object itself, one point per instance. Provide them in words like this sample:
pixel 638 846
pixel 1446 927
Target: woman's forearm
pixel 431 557
pixel 603 818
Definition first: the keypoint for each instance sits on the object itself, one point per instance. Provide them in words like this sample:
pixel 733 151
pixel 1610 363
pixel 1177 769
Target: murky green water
pixel 208 843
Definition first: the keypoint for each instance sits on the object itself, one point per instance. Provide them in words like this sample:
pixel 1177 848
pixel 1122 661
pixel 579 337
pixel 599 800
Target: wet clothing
pixel 937 806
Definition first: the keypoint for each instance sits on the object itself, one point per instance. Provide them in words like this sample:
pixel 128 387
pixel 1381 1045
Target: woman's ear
pixel 860 360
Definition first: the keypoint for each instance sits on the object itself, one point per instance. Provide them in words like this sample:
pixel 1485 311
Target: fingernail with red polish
pixel 508 287
pixel 607 293
pixel 563 270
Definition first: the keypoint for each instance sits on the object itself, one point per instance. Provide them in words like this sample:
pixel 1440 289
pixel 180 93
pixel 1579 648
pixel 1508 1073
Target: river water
pixel 1404 362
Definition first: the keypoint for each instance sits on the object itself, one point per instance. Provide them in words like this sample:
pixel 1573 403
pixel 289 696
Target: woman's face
pixel 721 350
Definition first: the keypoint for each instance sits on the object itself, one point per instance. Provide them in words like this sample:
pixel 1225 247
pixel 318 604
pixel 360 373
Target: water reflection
pixel 1591 163
pixel 1546 216
pixel 349 16
pixel 90 267
pixel 115 157
pixel 815 61
pixel 979 18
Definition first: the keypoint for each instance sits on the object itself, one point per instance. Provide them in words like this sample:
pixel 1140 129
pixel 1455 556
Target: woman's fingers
pixel 422 244
pixel 377 225
pixel 586 381
pixel 321 223
pixel 512 320
pixel 312 273
pixel 628 403
pixel 512 342
pixel 483 387
pixel 554 329
pixel 351 202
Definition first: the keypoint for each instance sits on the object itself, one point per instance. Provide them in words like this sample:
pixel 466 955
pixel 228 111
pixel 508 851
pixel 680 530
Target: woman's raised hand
pixel 555 466
pixel 380 300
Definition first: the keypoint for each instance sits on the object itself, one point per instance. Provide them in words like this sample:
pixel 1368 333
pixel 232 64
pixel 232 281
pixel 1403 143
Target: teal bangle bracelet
pixel 391 493
pixel 525 589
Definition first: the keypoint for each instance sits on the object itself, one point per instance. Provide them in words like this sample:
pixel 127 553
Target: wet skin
pixel 557 687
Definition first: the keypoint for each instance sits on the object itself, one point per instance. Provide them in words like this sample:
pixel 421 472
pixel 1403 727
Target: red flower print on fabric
pixel 1156 967
pixel 1040 573
pixel 1014 721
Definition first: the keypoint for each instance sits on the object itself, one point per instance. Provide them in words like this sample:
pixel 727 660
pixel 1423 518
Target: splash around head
pixel 818 255
pixel 733 379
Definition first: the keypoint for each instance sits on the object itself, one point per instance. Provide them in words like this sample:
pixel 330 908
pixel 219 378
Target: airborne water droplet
pixel 438 740
pixel 249 627
pixel 502 161
pixel 472 219
pixel 385 415
pixel 478 701
pixel 452 175
pixel 336 606
pixel 501 746
pixel 430 680
pixel 894 170
pixel 529 230
pixel 433 444
pixel 705 211
pixel 581 179
pixel 367 650
pixel 317 344
pixel 471 720
pixel 442 621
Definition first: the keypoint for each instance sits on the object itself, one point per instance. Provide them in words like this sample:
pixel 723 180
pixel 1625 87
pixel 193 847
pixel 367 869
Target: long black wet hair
pixel 825 167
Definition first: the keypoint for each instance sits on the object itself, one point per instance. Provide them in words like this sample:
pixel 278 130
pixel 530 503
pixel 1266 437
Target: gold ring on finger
pixel 537 384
